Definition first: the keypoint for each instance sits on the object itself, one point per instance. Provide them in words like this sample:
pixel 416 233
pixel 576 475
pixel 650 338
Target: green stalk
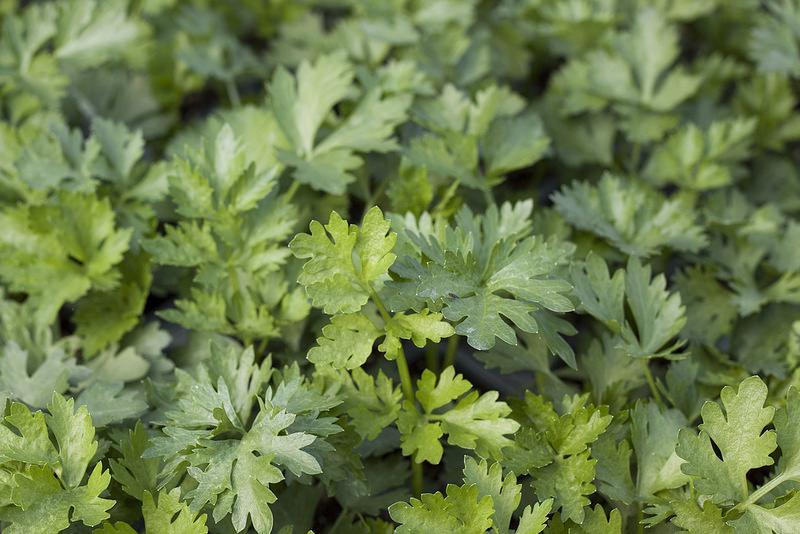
pixel 652 384
pixel 763 490
pixel 290 192
pixel 342 515
pixel 432 357
pixel 375 196
pixel 262 347
pixel 233 93
pixel 416 477
pixel 450 352
pixel 636 157
pixel 408 392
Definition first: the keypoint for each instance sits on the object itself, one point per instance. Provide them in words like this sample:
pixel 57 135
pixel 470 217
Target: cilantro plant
pixel 498 266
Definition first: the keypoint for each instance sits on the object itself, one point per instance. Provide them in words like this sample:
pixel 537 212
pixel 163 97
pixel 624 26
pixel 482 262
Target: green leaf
pixel 596 522
pixel 114 528
pixel 601 295
pixel 301 105
pixel 29 442
pixel 347 342
pixel 43 506
pixel 462 510
pixel 743 421
pixel 475 422
pixel 420 438
pixel 773 41
pixel 554 450
pixel 71 245
pixel 710 311
pixel 504 491
pixel 166 513
pixel 89 32
pixel 233 453
pixel 103 317
pixel 418 327
pixel 635 78
pixel 108 403
pixel 654 434
pixel 433 393
pixel 136 474
pixel 630 216
pixel 485 269
pixel 534 520
pixel 373 403
pixel 568 482
pixel 74 436
pixel 514 143
pixel 344 261
pixel 657 314
pixel 782 519
pixel 691 517
pixel 702 160
pixel 36 388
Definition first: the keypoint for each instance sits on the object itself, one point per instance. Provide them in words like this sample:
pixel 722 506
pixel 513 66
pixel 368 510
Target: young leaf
pixel 344 260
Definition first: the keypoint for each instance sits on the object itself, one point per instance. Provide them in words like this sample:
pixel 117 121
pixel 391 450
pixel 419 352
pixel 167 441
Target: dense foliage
pixel 363 266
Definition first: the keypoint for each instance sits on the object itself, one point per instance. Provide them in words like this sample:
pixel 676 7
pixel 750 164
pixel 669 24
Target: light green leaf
pixel 632 217
pixel 74 435
pixel 43 506
pixel 347 342
pixel 743 421
pixel 169 515
pixel 108 403
pixel 462 510
pixel 344 261
pixel 657 314
pixel 504 491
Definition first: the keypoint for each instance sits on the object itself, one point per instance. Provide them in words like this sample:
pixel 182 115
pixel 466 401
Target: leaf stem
pixel 432 356
pixel 652 384
pixel 402 363
pixel 416 477
pixel 450 352
pixel 290 192
pixel 233 93
pixel 262 347
pixel 344 513
pixel 408 391
pixel 636 157
pixel 639 524
pixel 763 490
pixel 375 196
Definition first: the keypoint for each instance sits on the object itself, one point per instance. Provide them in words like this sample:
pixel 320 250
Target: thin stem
pixel 402 363
pixel 450 352
pixel 488 196
pixel 233 93
pixel 639 524
pixel 408 392
pixel 375 196
pixel 636 157
pixel 432 357
pixel 652 384
pixel 262 347
pixel 344 513
pixel 290 192
pixel 416 477
pixel 763 490
pixel 405 376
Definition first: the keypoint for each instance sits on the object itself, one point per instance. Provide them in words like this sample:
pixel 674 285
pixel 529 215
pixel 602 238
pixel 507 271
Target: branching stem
pixel 408 392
